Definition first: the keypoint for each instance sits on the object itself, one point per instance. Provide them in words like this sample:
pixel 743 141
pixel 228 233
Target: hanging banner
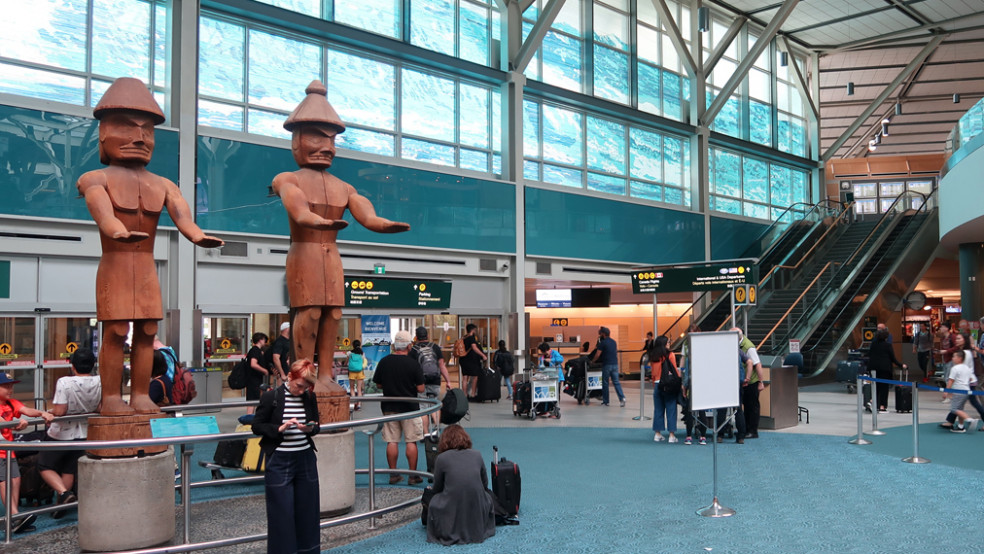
pixel 375 345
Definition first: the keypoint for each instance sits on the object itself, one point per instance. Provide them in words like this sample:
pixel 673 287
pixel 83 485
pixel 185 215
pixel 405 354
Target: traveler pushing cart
pixel 541 394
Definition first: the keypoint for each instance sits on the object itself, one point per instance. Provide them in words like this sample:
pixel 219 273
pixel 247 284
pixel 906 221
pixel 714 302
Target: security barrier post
pixel 915 459
pixel 874 412
pixel 860 438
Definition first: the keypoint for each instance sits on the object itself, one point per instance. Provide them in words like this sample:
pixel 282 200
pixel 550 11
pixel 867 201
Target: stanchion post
pixel 372 472
pixel 875 431
pixel 860 438
pixel 642 395
pixel 186 454
pixel 915 459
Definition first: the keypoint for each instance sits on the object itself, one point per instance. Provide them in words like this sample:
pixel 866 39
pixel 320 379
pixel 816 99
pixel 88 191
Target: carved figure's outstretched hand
pixel 394 227
pixel 206 241
pixel 315 221
pixel 130 236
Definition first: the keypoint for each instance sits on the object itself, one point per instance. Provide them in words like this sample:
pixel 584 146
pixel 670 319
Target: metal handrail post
pixel 186 454
pixel 860 438
pixel 372 471
pixel 915 459
pixel 8 505
pixel 875 431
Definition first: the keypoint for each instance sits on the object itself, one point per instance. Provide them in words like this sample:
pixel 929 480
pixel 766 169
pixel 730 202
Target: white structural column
pixel 184 115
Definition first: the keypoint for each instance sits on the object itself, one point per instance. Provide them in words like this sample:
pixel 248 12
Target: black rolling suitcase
pixel 866 393
pixel 489 385
pixel 522 398
pixel 506 484
pixel 430 451
pixel 903 396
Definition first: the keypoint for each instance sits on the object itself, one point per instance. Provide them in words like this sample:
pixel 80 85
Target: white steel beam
pixel 726 41
pixel 799 81
pixel 671 28
pixel 533 41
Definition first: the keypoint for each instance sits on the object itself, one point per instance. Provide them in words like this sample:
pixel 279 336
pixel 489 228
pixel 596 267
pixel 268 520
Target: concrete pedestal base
pixel 336 472
pixel 126 503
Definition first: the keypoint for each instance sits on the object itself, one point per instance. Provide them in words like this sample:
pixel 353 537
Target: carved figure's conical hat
pixel 127 93
pixel 315 108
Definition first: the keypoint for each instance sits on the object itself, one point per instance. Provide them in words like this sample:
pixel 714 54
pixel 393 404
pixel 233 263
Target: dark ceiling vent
pixel 278 251
pixel 542 268
pixel 234 249
pixel 36 236
pixel 487 264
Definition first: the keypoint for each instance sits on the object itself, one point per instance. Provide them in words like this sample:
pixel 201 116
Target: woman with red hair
pixel 460 511
pixel 286 419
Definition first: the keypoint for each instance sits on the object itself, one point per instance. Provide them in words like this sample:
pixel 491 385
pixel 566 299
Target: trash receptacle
pixel 208 384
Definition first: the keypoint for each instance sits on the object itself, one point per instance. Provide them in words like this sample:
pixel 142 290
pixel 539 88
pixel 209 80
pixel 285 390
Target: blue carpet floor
pixel 614 490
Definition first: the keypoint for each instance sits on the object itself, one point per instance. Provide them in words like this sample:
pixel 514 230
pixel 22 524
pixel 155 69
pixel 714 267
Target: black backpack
pixel 504 363
pixel 454 406
pixel 237 377
pixel 428 362
pixel 669 381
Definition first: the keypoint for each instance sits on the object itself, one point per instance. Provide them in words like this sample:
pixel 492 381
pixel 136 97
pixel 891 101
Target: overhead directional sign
pixel 376 292
pixel 697 278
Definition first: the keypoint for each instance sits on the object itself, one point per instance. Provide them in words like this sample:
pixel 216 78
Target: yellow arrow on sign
pixel 5 348
pixel 226 343
pixel 71 347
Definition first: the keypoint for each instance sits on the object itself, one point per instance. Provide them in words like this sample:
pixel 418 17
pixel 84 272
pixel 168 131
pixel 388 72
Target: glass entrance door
pixel 60 337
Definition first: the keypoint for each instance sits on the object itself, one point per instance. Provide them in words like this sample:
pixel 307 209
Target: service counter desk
pixel 780 399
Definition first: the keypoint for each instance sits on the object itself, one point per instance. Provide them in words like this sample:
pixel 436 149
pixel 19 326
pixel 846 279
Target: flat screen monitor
pixel 553 298
pixel 591 298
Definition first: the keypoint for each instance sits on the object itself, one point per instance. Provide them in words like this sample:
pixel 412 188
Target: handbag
pixel 669 380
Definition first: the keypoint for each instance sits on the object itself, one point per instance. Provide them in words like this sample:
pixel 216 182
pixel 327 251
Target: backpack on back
pixel 183 390
pixel 504 363
pixel 454 406
pixel 237 377
pixel 428 362
pixel 459 348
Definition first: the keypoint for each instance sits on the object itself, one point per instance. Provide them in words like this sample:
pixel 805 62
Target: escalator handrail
pixel 685 312
pixel 890 210
pixel 793 305
pixel 840 218
pixel 769 229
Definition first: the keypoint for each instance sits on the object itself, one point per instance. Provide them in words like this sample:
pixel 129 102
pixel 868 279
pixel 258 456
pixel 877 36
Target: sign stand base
pixel 715 510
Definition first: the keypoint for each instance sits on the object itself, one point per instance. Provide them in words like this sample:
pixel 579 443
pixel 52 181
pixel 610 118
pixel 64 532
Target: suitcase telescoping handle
pixel 495 454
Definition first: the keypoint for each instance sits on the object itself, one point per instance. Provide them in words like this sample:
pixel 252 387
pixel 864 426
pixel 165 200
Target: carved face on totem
pixel 126 138
pixel 313 145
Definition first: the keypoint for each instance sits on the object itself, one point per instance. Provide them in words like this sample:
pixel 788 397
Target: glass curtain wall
pixel 752 187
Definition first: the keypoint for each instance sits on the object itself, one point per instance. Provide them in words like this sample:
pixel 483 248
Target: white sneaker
pixel 672 439
pixel 970 424
pixel 658 437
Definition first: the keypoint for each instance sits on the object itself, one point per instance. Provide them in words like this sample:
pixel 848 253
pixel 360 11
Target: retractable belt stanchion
pixel 875 431
pixel 915 459
pixel 860 438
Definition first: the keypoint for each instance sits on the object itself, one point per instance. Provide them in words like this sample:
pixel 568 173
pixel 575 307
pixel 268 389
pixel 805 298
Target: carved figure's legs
pixel 141 365
pixel 304 333
pixel 327 335
pixel 314 329
pixel 111 368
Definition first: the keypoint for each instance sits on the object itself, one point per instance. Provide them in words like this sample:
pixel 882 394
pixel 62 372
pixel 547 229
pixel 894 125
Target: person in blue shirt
pixel 607 355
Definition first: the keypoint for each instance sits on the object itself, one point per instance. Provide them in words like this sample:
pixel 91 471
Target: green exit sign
pixel 379 269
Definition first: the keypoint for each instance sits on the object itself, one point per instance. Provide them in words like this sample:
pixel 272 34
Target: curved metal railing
pixel 374 423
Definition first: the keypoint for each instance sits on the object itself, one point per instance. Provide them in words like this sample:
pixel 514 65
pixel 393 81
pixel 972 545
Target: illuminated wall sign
pixel 953 309
pixel 553 298
pixel 376 292
pixel 689 279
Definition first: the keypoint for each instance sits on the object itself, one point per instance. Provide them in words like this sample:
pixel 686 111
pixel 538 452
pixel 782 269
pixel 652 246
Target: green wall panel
pixel 561 224
pixel 43 154
pixel 444 211
pixel 730 237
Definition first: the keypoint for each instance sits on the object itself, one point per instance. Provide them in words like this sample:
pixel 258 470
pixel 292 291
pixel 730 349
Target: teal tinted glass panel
pixel 760 123
pixel 221 59
pixel 444 211
pixel 730 238
pixel 781 185
pixel 432 25
pixel 531 129
pixel 673 195
pixel 674 161
pixel 647 191
pixel 569 18
pixel 160 46
pixel 45 85
pixel 728 120
pixel 97 88
pixel 306 7
pixel 784 132
pixel 566 225
pixel 726 174
pixel 496 164
pixel 427 105
pixel 611 74
pixel 45 153
pixel 474 160
pixel 563 137
pixel 649 89
pixel 797 138
pixel 362 90
pixel 222 116
pixel 49 32
pixel 430 152
pixel 533 69
pixel 473 22
pixel 672 104
pixel 755 210
pixel 606 150
pixel 262 122
pixel 377 16
pixel 497 122
pixel 473 116
pixel 565 176
pixel 756 180
pixel 561 61
pixel 611 28
pixel 645 155
pixel 121 39
pixel 606 183
pixel 800 186
pixel 726 205
pixel 531 170
pixel 280 68
pixel 366 141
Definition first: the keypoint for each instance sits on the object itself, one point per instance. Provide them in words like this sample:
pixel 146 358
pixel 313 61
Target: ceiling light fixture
pixel 703 19
pixel 956 98
pixel 898 108
pixel 884 130
pixel 784 59
pixel 850 88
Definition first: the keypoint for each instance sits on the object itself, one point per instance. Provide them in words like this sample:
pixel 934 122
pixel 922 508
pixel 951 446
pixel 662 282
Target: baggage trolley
pixel 544 387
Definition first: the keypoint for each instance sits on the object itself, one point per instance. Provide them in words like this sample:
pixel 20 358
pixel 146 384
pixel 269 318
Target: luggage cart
pixel 544 387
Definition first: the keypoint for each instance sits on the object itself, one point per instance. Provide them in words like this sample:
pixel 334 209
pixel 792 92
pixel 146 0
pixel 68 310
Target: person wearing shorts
pixel 399 375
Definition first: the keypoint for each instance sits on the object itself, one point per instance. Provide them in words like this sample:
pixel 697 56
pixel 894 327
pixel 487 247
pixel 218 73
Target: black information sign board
pixel 377 292
pixel 693 279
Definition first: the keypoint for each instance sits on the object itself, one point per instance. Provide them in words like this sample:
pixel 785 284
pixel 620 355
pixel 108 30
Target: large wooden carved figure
pixel 316 201
pixel 126 200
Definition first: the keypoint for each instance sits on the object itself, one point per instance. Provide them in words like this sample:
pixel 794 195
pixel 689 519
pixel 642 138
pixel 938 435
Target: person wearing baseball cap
pixel 399 375
pixel 10 409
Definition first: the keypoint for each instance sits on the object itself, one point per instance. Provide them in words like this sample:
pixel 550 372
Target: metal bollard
pixel 875 431
pixel 860 438
pixel 915 459
pixel 642 397
pixel 372 471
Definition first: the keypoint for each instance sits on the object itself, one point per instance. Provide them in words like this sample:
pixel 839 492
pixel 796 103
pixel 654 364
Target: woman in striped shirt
pixel 286 419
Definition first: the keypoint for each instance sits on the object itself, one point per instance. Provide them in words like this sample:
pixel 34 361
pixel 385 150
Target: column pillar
pixel 971 277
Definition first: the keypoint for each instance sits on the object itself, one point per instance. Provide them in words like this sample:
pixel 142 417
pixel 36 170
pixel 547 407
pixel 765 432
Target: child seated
pixel 960 378
pixel 11 408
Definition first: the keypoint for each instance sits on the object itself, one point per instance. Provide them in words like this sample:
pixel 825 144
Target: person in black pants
pixel 881 358
pixel 286 419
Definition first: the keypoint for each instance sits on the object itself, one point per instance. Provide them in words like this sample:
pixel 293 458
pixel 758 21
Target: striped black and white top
pixel 294 438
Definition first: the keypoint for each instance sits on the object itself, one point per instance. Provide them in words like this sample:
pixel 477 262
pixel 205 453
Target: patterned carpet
pixel 614 490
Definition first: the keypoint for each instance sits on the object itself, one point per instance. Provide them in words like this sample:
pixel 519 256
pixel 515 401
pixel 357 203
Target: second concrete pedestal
pixel 336 472
pixel 126 503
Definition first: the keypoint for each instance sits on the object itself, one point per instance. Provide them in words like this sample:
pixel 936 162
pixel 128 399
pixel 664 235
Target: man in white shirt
pixel 78 393
pixel 961 377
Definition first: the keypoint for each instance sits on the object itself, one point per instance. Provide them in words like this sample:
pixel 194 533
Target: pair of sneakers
pixel 68 497
pixel 25 524
pixel 658 437
pixel 688 441
pixel 970 424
